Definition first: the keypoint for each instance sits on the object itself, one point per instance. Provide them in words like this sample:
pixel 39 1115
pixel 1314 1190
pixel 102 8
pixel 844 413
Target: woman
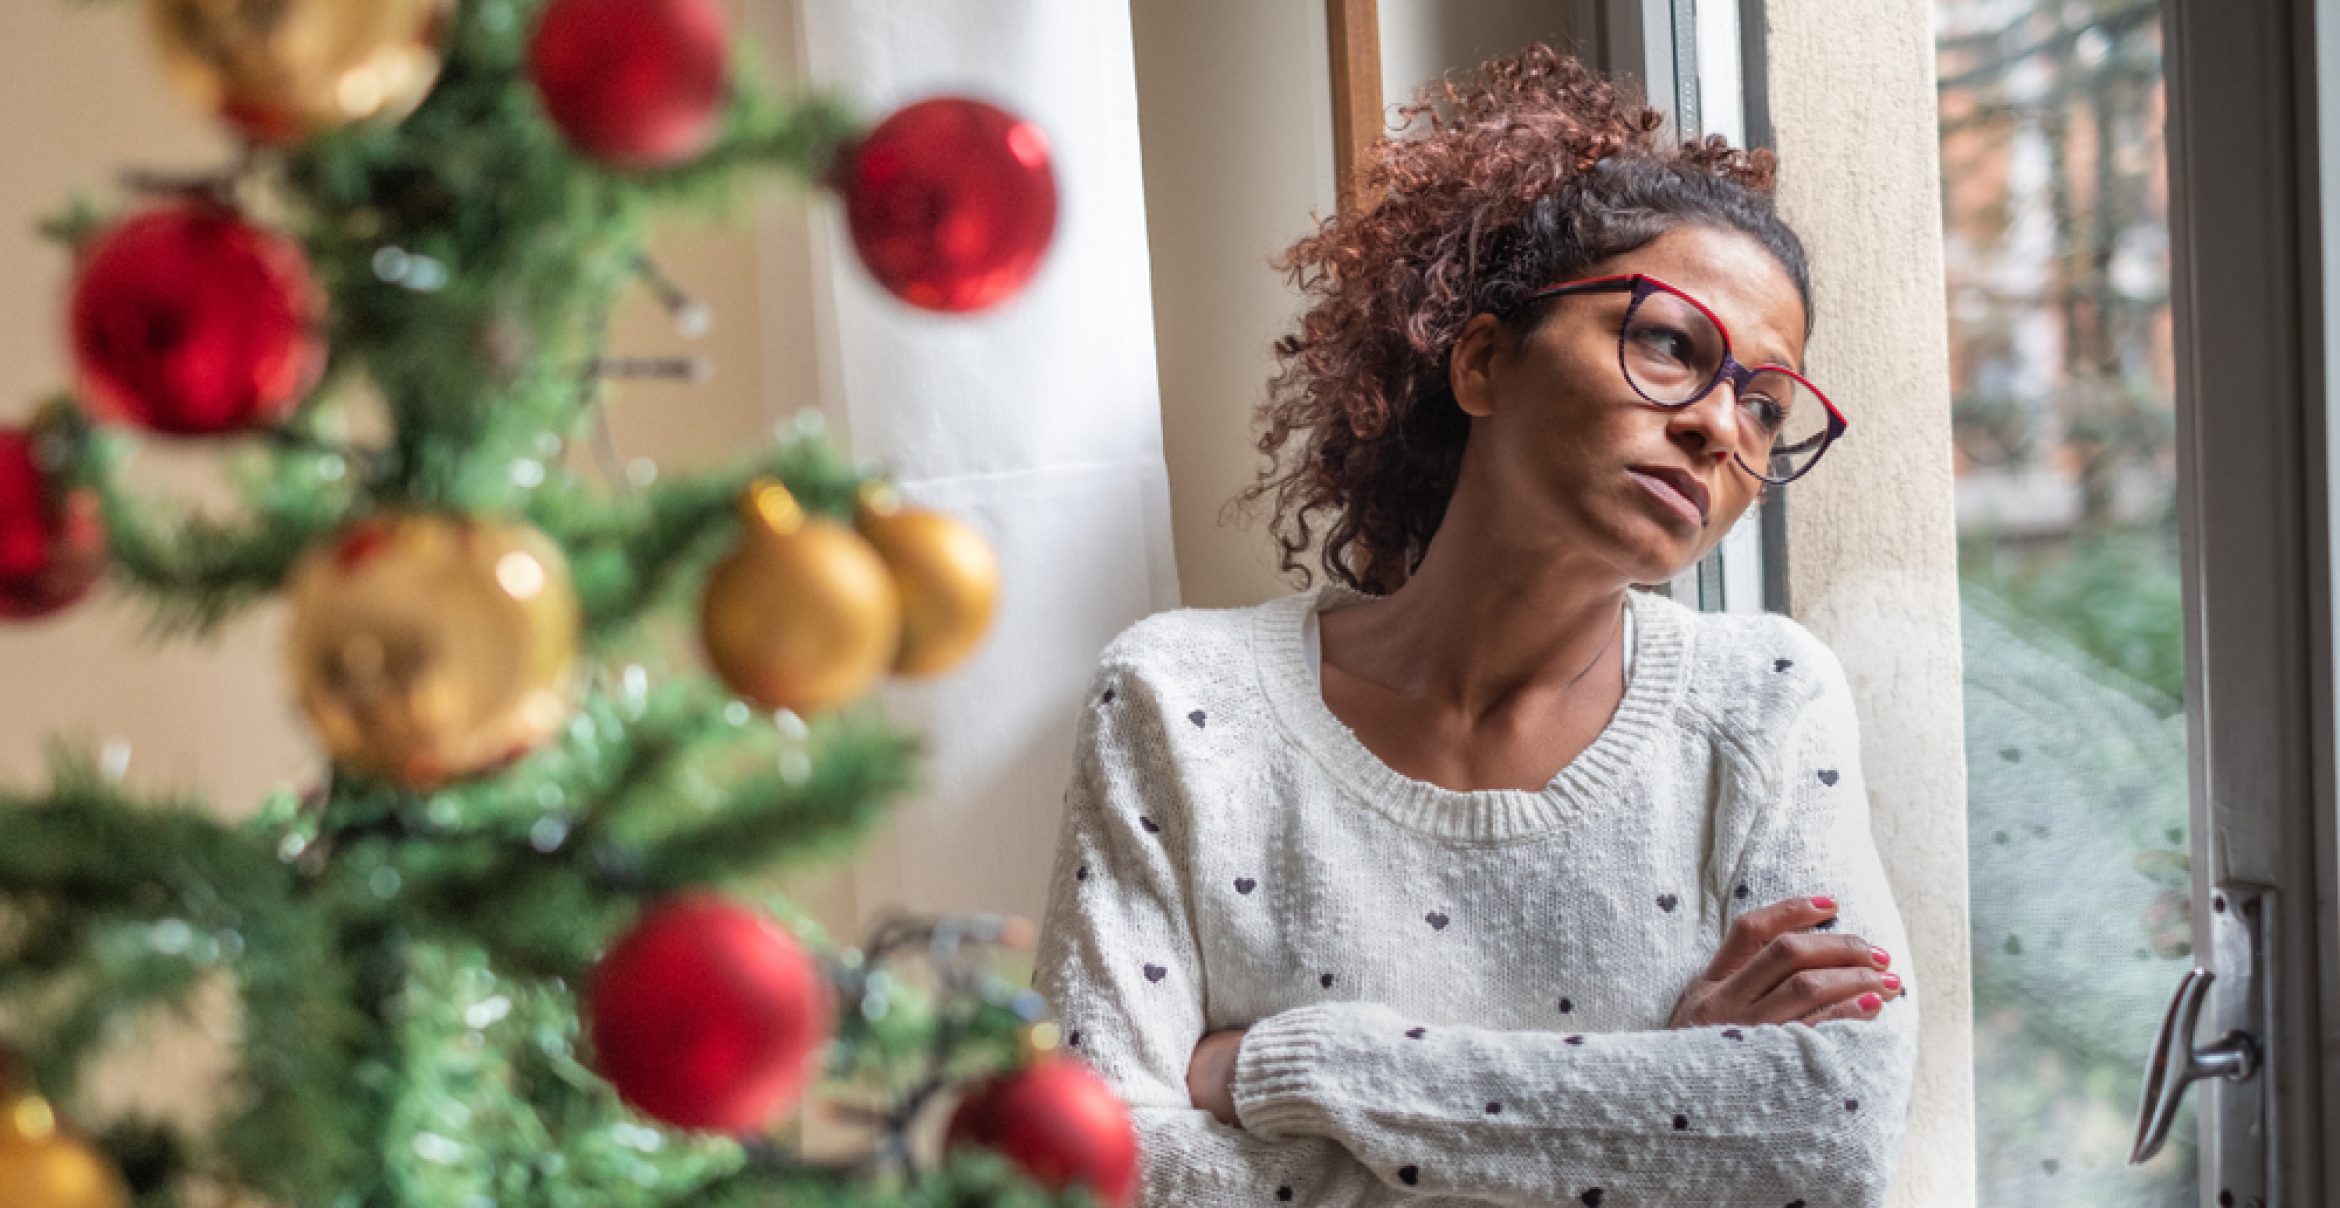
pixel 1472 875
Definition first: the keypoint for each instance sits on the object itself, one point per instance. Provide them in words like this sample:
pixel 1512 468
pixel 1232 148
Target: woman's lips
pixel 1676 502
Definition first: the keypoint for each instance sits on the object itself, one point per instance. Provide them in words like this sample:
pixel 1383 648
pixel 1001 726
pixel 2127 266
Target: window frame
pixel 2254 170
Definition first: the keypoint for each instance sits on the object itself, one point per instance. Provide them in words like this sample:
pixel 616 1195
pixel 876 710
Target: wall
pixel 1235 110
pixel 1874 563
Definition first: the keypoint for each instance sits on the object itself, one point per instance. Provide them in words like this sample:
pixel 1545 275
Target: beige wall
pixel 210 717
pixel 1874 563
pixel 1235 112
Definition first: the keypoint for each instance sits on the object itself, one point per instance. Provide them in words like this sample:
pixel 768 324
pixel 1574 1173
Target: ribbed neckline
pixel 1482 815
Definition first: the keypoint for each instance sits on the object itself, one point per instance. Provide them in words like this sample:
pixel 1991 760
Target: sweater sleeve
pixel 1753 1116
pixel 1118 963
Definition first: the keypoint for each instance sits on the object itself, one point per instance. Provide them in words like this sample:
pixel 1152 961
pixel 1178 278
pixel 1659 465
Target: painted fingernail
pixel 1824 903
pixel 1870 1002
pixel 1892 981
pixel 1879 955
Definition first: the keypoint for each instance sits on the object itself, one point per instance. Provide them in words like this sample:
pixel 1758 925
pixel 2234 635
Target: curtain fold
pixel 1038 422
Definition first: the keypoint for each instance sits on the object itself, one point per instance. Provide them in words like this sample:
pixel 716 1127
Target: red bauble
pixel 190 321
pixel 708 1016
pixel 52 544
pixel 951 202
pixel 1058 1122
pixel 633 83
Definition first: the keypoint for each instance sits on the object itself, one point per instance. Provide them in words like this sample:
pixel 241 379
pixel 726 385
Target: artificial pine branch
pixel 815 808
pixel 632 553
pixel 409 963
pixel 194 572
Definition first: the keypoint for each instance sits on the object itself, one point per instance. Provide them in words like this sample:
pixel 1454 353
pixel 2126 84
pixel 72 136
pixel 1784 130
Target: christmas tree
pixel 518 943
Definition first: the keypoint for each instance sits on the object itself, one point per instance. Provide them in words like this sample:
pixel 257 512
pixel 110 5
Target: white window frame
pixel 2254 163
pixel 1701 61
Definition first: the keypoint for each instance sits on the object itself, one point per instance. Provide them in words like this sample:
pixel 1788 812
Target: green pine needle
pixel 406 965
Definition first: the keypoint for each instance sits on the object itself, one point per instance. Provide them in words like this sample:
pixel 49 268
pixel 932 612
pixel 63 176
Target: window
pixel 2055 212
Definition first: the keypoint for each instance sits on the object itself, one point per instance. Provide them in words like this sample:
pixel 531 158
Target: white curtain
pixel 1039 422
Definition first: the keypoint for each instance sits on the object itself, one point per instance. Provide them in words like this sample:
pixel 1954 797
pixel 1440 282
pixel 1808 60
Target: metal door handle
pixel 2176 1063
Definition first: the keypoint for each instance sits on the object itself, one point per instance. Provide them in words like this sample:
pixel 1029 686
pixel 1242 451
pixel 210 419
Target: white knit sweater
pixel 1461 997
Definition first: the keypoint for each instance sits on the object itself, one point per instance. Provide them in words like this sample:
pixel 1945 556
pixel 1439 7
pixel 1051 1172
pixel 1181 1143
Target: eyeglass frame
pixel 1643 285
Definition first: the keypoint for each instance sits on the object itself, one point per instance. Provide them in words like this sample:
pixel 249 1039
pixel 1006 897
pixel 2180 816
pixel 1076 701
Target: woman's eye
pixel 1767 410
pixel 1672 344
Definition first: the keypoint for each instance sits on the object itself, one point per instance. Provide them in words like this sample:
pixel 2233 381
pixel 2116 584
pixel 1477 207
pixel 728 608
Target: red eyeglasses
pixel 1673 351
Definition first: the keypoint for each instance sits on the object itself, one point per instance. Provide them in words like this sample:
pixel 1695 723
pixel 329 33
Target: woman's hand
pixel 1771 970
pixel 1210 1076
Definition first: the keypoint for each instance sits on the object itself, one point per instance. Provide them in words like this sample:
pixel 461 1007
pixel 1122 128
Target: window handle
pixel 2176 1063
pixel 2234 986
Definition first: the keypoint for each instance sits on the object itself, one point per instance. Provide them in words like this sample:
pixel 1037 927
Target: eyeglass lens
pixel 1671 351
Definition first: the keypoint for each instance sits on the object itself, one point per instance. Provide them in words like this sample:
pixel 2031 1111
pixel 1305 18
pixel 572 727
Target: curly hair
pixel 1530 169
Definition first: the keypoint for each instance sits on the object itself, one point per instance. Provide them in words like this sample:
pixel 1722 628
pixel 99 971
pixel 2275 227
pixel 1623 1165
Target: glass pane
pixel 2055 202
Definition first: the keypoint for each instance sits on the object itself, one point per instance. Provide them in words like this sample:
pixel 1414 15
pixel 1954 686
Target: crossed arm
pixel 1777 1083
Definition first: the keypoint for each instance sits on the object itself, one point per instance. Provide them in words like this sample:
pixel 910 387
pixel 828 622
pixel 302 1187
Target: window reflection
pixel 2056 241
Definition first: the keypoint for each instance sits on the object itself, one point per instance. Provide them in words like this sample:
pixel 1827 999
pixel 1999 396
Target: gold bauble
pixel 428 647
pixel 282 70
pixel 803 614
pixel 41 1167
pixel 946 573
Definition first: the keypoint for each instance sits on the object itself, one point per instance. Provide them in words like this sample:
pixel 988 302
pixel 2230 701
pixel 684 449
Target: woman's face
pixel 1577 454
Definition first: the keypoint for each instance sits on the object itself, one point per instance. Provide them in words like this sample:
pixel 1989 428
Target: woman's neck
pixel 1504 638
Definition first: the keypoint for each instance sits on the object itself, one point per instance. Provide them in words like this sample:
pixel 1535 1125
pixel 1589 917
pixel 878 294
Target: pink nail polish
pixel 1879 955
pixel 1892 981
pixel 1824 903
pixel 1870 1002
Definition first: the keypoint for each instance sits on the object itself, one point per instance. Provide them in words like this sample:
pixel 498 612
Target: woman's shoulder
pixel 1752 672
pixel 1190 641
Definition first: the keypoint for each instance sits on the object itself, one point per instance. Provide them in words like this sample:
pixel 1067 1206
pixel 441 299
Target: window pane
pixel 2054 200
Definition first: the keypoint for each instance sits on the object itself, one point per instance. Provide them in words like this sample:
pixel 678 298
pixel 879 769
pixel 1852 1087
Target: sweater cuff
pixel 1280 1070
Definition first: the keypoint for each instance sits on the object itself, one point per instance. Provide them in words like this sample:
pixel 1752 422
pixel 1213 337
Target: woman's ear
pixel 1470 364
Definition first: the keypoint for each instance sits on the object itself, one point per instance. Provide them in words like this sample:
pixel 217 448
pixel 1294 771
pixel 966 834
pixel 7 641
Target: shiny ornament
pixel 708 1016
pixel 946 573
pixel 283 70
pixel 1058 1122
pixel 951 203
pixel 190 321
pixel 42 1167
pixel 633 83
pixel 425 648
pixel 802 614
pixel 52 542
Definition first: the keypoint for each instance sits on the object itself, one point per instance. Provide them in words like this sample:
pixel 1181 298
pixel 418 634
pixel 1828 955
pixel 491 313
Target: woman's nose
pixel 1713 421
